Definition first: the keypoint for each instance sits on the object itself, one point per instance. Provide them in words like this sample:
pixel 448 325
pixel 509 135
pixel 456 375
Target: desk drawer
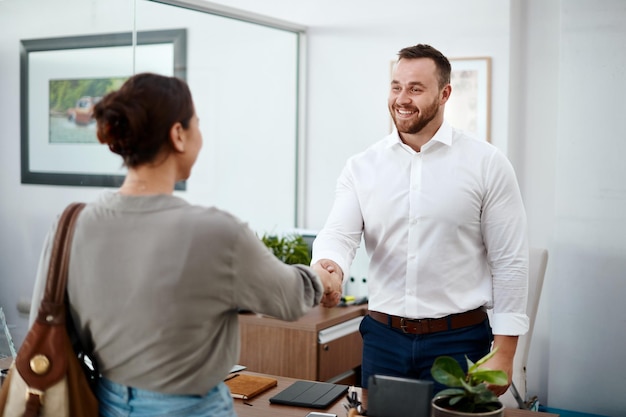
pixel 339 356
pixel 277 351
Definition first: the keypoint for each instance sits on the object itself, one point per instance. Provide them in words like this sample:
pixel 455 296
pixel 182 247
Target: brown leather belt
pixel 425 326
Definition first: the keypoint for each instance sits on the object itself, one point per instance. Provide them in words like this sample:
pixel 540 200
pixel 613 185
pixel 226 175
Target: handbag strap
pixel 39 360
pixel 52 308
pixel 60 255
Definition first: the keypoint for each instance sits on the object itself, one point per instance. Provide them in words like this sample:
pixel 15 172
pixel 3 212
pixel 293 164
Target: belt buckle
pixel 403 324
pixel 416 322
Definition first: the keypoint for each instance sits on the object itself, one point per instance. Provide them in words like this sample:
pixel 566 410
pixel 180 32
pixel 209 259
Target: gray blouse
pixel 156 283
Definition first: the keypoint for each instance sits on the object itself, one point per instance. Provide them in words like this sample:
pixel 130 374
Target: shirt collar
pixel 443 135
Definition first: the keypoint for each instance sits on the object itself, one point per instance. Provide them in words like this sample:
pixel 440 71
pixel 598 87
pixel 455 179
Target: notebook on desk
pixel 310 394
pixel 246 386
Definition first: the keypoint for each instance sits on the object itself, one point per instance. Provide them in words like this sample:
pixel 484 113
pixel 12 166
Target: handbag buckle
pixel 33 391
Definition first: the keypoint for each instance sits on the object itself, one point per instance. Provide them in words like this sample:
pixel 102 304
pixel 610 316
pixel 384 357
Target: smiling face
pixel 415 99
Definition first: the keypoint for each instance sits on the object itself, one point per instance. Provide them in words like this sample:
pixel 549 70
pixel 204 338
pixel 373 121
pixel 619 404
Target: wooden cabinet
pixel 294 350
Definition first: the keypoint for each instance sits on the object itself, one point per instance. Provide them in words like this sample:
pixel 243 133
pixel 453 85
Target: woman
pixel 154 282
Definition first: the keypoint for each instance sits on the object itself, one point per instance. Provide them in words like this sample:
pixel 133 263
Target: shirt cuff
pixel 343 263
pixel 509 324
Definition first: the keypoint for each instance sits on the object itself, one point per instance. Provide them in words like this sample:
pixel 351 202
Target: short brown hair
pixel 427 51
pixel 135 120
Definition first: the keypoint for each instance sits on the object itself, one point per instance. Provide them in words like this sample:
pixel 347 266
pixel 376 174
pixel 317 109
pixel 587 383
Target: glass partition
pixel 243 74
pixel 244 80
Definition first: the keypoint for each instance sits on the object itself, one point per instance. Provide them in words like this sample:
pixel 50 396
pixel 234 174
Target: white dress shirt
pixel 445 229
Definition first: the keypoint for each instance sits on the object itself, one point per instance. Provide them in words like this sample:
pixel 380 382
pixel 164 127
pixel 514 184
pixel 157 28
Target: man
pixel 444 225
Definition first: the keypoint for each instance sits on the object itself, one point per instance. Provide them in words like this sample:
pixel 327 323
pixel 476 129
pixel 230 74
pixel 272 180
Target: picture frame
pixel 50 155
pixel 469 105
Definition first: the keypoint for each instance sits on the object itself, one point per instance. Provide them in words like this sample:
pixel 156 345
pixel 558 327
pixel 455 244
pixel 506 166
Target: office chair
pixel 515 397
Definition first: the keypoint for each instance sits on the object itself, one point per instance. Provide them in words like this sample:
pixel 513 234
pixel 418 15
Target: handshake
pixel 331 276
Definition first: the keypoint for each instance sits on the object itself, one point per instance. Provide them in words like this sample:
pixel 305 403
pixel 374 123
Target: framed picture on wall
pixel 469 106
pixel 62 79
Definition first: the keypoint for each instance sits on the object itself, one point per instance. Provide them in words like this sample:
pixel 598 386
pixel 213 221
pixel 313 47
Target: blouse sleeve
pixel 266 285
pixel 42 274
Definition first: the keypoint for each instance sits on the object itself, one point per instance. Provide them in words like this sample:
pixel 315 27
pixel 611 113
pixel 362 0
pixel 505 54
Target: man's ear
pixel 177 137
pixel 445 93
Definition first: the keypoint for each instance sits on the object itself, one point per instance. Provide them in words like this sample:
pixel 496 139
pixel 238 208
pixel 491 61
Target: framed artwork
pixel 61 79
pixel 469 106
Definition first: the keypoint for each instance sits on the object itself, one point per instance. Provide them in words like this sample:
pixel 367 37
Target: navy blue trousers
pixel 389 351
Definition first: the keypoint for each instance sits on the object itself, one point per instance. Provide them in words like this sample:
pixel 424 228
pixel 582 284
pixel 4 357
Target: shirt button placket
pixel 413 234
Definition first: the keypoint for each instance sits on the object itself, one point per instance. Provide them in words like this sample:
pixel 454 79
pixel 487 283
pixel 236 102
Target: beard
pixel 419 120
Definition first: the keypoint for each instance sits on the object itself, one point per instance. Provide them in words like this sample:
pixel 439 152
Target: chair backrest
pixel 538 262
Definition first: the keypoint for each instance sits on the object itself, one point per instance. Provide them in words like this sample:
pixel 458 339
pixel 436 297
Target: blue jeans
pixel 389 351
pixel 117 400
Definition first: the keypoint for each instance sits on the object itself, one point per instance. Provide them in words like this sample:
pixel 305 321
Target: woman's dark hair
pixel 135 121
pixel 427 51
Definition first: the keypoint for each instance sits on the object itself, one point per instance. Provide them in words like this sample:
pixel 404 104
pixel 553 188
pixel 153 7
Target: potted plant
pixel 467 393
pixel 291 248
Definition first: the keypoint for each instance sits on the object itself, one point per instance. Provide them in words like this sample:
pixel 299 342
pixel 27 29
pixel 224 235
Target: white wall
pixel 557 104
pixel 533 95
pixel 588 312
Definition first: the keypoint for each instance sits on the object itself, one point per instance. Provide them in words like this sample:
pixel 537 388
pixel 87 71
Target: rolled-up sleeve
pixel 504 228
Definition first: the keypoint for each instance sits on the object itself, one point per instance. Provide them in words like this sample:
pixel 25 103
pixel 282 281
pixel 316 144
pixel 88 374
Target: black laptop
pixel 310 394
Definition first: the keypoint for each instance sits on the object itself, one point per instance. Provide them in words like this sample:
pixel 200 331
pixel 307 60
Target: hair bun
pixel 135 120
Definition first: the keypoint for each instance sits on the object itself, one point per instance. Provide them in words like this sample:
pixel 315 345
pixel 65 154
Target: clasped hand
pixel 331 276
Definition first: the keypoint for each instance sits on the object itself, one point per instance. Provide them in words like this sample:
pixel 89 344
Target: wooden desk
pixel 291 349
pixel 260 406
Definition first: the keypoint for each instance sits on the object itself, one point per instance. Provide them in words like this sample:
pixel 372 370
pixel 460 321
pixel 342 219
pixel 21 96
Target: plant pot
pixel 438 410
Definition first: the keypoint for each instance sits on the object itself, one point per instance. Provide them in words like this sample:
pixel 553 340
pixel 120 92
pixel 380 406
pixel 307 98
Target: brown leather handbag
pixel 47 378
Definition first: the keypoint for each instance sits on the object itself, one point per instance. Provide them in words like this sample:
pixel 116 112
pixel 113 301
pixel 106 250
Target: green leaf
pixel 455 400
pixel 464 404
pixel 485 397
pixel 473 388
pixel 490 376
pixel 470 365
pixel 291 249
pixel 451 392
pixel 486 357
pixel 468 392
pixel 447 371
